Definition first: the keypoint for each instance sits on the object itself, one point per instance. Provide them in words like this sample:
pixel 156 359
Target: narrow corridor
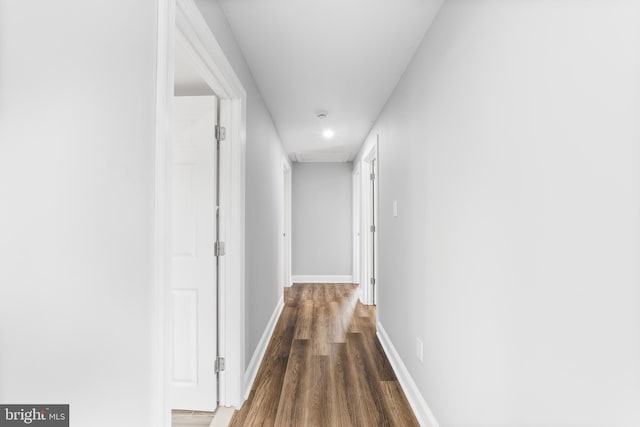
pixel 324 366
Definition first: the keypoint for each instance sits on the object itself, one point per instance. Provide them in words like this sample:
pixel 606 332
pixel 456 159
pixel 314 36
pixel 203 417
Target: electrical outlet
pixel 419 349
pixel 395 208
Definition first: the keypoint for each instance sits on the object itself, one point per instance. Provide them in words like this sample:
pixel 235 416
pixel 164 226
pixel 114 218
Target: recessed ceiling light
pixel 328 133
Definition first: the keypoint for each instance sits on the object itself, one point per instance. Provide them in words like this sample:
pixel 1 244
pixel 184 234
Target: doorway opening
pixel 369 203
pixel 199 219
pixel 356 228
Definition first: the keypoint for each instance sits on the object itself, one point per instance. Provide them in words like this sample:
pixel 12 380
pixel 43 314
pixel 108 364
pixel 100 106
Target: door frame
pixel 370 211
pixel 286 181
pixel 180 21
pixel 356 227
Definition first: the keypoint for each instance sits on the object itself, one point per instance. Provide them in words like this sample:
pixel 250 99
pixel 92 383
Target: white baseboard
pixel 321 279
pixel 418 404
pixel 258 354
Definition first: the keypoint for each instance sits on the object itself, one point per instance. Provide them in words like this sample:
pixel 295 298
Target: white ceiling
pixel 340 56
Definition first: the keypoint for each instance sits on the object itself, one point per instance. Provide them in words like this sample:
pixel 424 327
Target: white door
pixel 193 277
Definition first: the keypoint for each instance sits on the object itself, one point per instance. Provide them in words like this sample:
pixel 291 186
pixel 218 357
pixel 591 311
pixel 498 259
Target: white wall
pixel 512 145
pixel 265 193
pixel 77 81
pixel 321 219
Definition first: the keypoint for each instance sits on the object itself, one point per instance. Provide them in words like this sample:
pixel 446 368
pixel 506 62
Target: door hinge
pixel 373 280
pixel 221 133
pixel 219 248
pixel 372 176
pixel 219 364
pixel 373 229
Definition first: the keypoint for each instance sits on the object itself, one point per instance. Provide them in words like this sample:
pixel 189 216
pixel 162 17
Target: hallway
pixel 324 366
pixel 471 167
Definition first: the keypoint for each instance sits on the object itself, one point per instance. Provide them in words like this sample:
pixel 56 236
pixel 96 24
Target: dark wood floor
pixel 324 366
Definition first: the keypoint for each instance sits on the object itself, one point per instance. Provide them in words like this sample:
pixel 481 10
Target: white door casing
pixel 180 21
pixel 356 231
pixel 369 204
pixel 193 294
pixel 286 226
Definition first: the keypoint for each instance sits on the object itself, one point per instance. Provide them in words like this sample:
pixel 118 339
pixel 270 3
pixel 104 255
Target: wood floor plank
pixel 239 418
pixel 324 366
pixel 306 292
pixel 343 414
pixel 358 375
pixel 383 366
pixel 290 295
pixel 342 291
pixel 330 292
pixel 294 398
pixel 305 321
pixel 358 323
pixel 318 415
pixel 280 344
pixel 397 403
pixel 320 329
pixel 363 355
pixel 335 323
pixel 347 308
pixel 318 293
pixel 282 341
pixel 264 407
